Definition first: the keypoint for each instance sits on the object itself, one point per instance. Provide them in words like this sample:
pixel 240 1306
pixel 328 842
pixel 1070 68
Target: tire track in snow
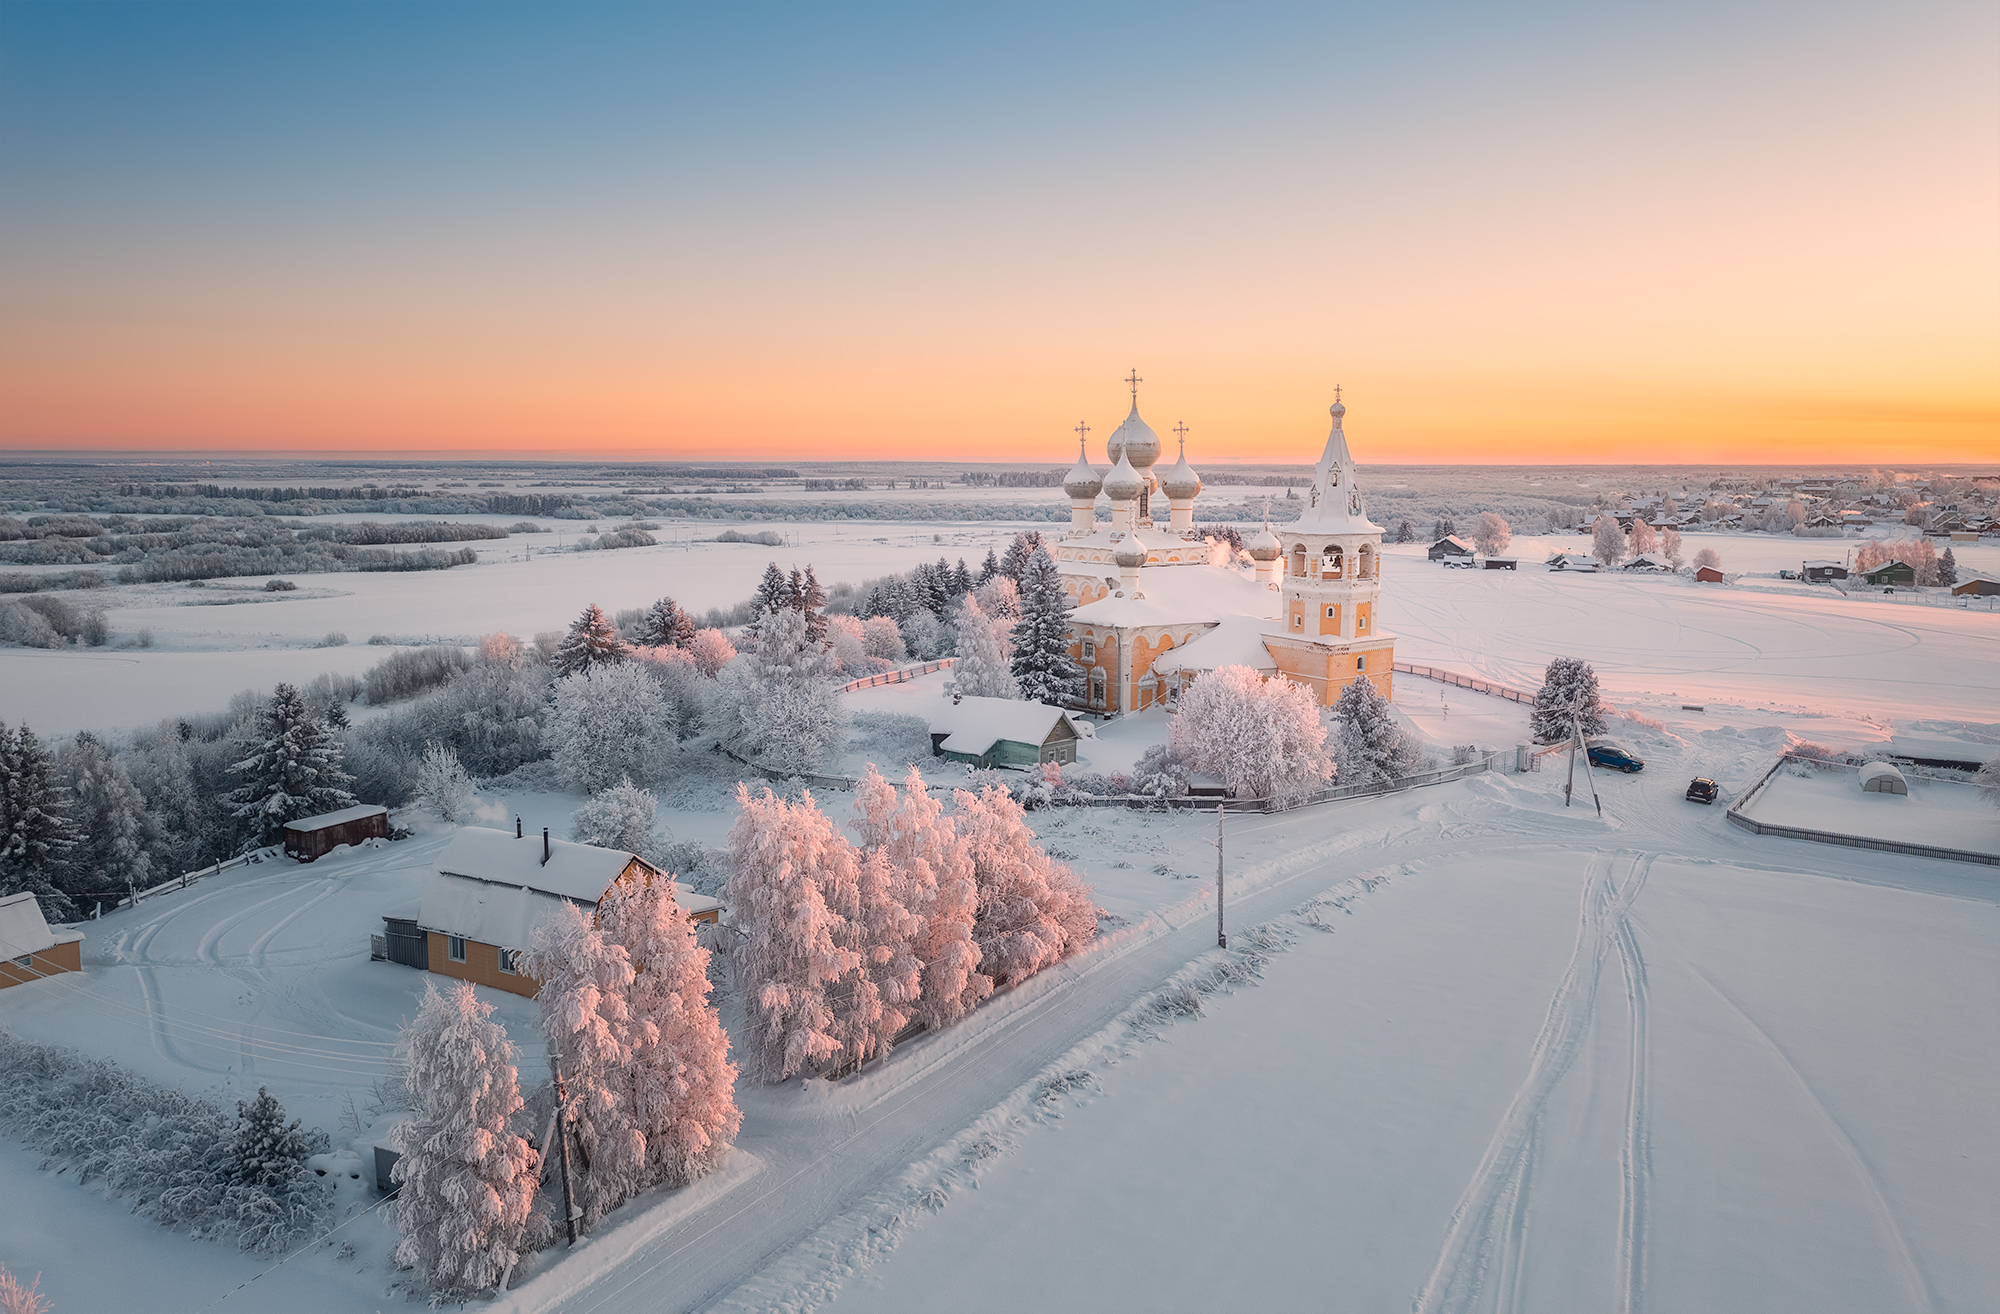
pixel 258 954
pixel 1636 1155
pixel 206 950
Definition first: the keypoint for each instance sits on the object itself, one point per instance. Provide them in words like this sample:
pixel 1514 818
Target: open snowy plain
pixel 1470 1049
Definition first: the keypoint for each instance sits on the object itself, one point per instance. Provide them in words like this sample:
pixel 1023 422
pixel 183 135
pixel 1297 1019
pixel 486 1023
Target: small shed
pixel 29 950
pixel 1891 572
pixel 1450 546
pixel 1882 778
pixel 315 837
pixel 1501 563
pixel 1819 572
pixel 991 732
pixel 1976 586
pixel 1708 575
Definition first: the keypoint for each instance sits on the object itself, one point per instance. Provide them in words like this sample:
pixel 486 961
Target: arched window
pixel 1334 562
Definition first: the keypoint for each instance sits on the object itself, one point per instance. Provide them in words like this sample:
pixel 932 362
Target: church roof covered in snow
pixel 1333 503
pixel 1181 594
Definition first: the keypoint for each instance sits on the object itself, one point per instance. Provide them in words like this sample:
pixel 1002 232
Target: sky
pixel 1522 233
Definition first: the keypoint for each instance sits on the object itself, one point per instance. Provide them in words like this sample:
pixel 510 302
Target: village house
pixel 1891 572
pixel 489 891
pixel 990 732
pixel 1708 575
pixel 29 949
pixel 315 837
pixel 1976 586
pixel 1450 546
pixel 1819 572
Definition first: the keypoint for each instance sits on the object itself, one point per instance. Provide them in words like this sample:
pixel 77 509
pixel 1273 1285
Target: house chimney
pixel 517 828
pixel 545 846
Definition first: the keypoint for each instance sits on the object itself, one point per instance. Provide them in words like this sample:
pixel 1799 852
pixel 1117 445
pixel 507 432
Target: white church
pixel 1156 605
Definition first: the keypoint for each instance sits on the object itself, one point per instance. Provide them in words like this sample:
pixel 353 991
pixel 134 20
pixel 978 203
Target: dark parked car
pixel 1604 753
pixel 1702 790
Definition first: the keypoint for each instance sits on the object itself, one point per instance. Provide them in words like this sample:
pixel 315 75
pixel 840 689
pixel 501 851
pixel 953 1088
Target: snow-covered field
pixel 1542 1062
pixel 1943 813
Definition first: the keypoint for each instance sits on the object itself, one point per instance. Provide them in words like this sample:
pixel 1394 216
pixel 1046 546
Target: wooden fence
pixel 1466 682
pixel 895 677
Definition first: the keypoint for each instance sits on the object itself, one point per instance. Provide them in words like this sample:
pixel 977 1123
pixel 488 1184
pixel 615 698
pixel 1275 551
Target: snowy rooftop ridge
pixel 24 931
pixel 1197 594
pixel 340 818
pixel 573 871
pixel 973 725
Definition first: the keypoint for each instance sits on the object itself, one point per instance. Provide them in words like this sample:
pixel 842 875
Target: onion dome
pixel 1129 553
pixel 1180 481
pixel 1084 480
pixel 1123 483
pixel 1263 545
pixel 1134 440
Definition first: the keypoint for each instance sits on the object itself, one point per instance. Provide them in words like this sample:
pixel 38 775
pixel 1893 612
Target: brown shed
pixel 1708 575
pixel 29 950
pixel 315 837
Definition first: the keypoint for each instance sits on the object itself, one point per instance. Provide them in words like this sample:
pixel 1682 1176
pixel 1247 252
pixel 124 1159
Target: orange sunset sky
pixel 1525 234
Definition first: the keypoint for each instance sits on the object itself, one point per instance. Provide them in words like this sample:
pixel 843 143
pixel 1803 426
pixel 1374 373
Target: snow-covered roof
pixel 973 725
pixel 1333 503
pixel 340 818
pixel 1455 541
pixel 1181 594
pixel 23 930
pixel 1937 748
pixel 1872 771
pixel 1822 565
pixel 1235 641
pixel 506 915
pixel 574 871
pixel 1647 561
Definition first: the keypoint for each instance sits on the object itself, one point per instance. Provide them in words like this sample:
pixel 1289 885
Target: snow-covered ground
pixel 1943 813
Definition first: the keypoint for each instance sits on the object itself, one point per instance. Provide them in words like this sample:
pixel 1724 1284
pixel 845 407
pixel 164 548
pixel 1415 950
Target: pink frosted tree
pixel 1670 543
pixel 1607 542
pixel 1642 538
pixel 680 1082
pixel 936 869
pixel 791 957
pixel 1032 911
pixel 586 983
pixel 468 1182
pixel 1492 533
pixel 711 650
pixel 1708 558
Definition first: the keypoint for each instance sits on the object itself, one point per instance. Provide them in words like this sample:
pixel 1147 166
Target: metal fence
pixel 895 677
pixel 1736 816
pixel 1471 682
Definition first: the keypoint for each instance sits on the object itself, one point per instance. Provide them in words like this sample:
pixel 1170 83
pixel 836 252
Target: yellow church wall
pixel 1326 674
pixel 1364 618
pixel 1330 624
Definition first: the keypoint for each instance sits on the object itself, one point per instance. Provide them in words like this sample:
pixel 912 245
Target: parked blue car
pixel 1604 753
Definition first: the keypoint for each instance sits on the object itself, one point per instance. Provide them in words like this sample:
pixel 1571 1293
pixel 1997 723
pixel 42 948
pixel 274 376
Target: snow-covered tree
pixel 1947 568
pixel 987 568
pixel 684 691
pixel 592 642
pixel 1708 558
pixel 1568 694
pixel 621 817
pixel 293 769
pixel 606 724
pixel 1989 781
pixel 1491 533
pixel 585 998
pixel 1000 598
pixel 926 637
pixel 934 868
pixel 468 1181
pixel 982 668
pixel 116 833
pixel 18 1299
pixel 1042 666
pixel 443 785
pixel 791 956
pixel 501 650
pixel 847 647
pixel 1263 738
pixel 681 1081
pixel 810 598
pixel 1642 538
pixel 881 637
pixel 1559 521
pixel 711 650
pixel 778 704
pixel 1405 533
pixel 774 591
pixel 1026 546
pixel 267 1152
pixel 666 625
pixel 1607 541
pixel 1670 544
pixel 1033 911
pixel 1369 746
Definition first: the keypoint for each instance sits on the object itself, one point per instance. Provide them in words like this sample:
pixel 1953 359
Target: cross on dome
pixel 1134 379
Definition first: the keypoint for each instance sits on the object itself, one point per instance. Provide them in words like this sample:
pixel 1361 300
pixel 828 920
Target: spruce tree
pixel 1437 529
pixel 293 770
pixel 773 591
pixel 1369 747
pixel 267 1152
pixel 592 641
pixel 1404 533
pixel 988 568
pixel 116 832
pixel 38 837
pixel 961 580
pixel 1042 665
pixel 812 601
pixel 666 625
pixel 1947 569
pixel 1568 694
pixel 1019 553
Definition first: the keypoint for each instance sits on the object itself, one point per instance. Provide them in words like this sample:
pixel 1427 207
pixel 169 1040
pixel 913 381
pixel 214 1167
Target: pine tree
pixel 774 591
pixel 116 833
pixel 812 601
pixel 586 988
pixel 1947 568
pixel 682 1082
pixel 1042 666
pixel 961 580
pixel 293 770
pixel 468 1182
pixel 666 625
pixel 988 568
pixel 267 1152
pixel 1369 747
pixel 592 641
pixel 1568 694
pixel 38 834
pixel 1033 911
pixel 1405 534
pixel 981 669
pixel 790 957
pixel 1437 529
pixel 1020 552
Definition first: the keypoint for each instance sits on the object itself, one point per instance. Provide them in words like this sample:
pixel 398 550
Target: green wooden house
pixel 1891 572
pixel 996 732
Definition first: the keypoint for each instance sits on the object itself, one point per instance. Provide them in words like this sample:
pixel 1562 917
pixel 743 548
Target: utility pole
pixel 562 1143
pixel 1221 939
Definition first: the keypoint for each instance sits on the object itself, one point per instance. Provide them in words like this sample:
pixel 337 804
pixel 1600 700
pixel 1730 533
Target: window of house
pixel 1298 622
pixel 456 948
pixel 507 963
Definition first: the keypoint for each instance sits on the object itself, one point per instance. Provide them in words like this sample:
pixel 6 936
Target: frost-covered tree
pixel 1032 911
pixel 1559 521
pixel 684 691
pixel 1263 738
pixel 1405 533
pixel 774 591
pixel 1369 746
pixel 18 1299
pixel 883 639
pixel 592 642
pixel 502 650
pixel 116 833
pixel 926 637
pixel 267 1151
pixel 1042 666
pixel 982 668
pixel 681 1082
pixel 443 784
pixel 1708 558
pixel 778 703
pixel 1642 538
pixel 1947 568
pixel 1607 541
pixel 1989 782
pixel 1000 598
pixel 1670 545
pixel 666 625
pixel 606 724
pixel 293 769
pixel 987 568
pixel 1026 545
pixel 934 869
pixel 1568 694
pixel 585 998
pixel 621 817
pixel 468 1181
pixel 711 650
pixel 810 598
pixel 846 646
pixel 791 956
pixel 1491 533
